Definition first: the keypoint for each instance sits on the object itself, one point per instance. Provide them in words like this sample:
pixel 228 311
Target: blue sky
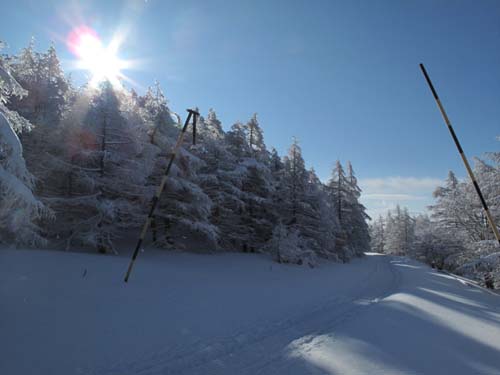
pixel 341 76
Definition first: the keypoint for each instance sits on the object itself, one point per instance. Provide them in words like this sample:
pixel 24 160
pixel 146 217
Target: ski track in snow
pixel 377 315
pixel 246 351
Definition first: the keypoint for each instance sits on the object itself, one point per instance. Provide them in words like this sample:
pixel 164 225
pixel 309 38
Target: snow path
pixel 64 313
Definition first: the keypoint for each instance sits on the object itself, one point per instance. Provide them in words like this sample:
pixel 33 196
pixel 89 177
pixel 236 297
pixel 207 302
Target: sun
pixel 102 62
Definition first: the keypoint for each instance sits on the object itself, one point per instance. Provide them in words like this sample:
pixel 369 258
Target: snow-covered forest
pixel 79 166
pixel 455 236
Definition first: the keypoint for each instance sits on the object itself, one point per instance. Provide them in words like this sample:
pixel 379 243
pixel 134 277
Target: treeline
pixel 94 157
pixel 456 235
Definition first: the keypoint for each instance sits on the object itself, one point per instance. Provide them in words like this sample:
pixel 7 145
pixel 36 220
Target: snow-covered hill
pixel 63 313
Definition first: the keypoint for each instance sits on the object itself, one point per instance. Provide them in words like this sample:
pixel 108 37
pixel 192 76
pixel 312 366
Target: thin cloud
pixel 382 194
pixel 399 184
pixel 407 197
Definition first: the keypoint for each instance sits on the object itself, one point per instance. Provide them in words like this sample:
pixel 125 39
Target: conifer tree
pixel 378 235
pixel 183 212
pixel 255 138
pixel 358 231
pixel 20 210
pixel 237 141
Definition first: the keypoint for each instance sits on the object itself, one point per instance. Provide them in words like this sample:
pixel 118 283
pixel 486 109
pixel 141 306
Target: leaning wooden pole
pixel 462 155
pixel 154 202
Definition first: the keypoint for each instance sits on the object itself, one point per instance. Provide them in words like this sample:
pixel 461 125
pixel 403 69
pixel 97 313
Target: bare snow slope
pixel 63 313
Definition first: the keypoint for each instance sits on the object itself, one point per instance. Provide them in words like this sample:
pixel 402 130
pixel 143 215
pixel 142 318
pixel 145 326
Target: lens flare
pixel 101 61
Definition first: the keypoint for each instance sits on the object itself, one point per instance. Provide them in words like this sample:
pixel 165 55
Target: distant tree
pixel 358 231
pixel 319 222
pixel 338 189
pixel 304 206
pixel 400 232
pixel 344 193
pixel 432 244
pixel 377 235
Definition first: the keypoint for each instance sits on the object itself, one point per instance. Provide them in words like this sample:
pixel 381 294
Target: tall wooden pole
pixel 462 155
pixel 154 202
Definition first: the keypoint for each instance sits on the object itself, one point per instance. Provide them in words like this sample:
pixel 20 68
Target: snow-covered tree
pixel 212 127
pixel 288 246
pixel 48 89
pixel 400 231
pixel 275 163
pixel 432 244
pixel 237 141
pixel 338 187
pixel 101 192
pixel 220 178
pixel 156 112
pixel 319 224
pixel 10 89
pixel 458 208
pixel 304 206
pixel 377 234
pixel 255 137
pixel 294 183
pixel 49 95
pixel 183 213
pixel 258 215
pixel 98 155
pixel 358 231
pixel 344 194
pixel 20 210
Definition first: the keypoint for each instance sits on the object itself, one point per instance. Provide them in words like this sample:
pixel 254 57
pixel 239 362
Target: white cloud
pixel 408 197
pixel 382 194
pixel 400 184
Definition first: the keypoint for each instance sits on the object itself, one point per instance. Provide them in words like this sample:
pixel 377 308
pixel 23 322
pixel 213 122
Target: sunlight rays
pixel 101 61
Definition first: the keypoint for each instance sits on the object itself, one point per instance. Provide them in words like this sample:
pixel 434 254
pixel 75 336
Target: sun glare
pixel 101 61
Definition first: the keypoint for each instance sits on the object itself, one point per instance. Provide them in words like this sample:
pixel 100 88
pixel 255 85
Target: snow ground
pixel 67 313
